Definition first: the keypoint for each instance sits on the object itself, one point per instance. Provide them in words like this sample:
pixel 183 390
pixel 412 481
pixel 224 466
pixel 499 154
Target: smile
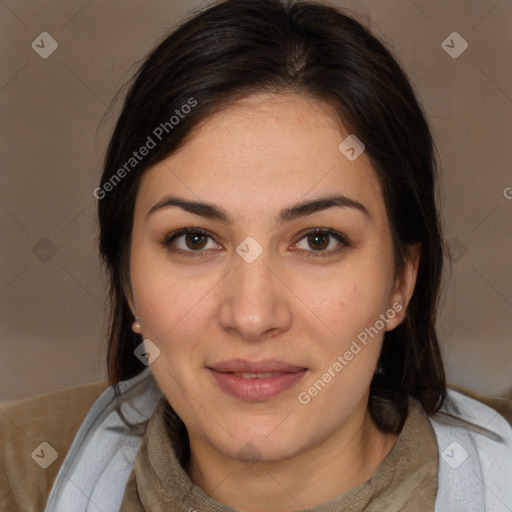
pixel 255 386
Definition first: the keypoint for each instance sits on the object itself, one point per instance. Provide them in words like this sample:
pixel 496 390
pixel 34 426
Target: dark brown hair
pixel 238 47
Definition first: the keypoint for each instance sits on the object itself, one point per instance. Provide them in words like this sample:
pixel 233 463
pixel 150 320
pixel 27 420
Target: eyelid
pixel 169 238
pixel 340 237
pixel 343 241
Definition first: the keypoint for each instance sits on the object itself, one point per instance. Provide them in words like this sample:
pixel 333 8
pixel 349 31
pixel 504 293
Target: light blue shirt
pixel 475 463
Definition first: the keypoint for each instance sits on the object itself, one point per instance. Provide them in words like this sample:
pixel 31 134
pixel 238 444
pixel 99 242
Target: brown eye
pixel 319 239
pixel 188 242
pixel 193 240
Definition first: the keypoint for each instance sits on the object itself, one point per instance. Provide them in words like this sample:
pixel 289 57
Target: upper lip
pixel 263 366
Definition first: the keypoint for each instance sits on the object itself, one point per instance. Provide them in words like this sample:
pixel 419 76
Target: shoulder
pixel 489 418
pixel 35 434
pixel 102 453
pixel 501 404
pixel 475 448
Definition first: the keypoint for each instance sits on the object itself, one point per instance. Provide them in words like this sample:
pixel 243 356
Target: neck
pixel 349 457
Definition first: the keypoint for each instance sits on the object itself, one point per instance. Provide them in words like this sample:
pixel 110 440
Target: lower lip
pixel 256 389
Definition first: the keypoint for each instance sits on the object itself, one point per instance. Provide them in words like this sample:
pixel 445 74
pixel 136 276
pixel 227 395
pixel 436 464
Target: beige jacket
pixel 54 418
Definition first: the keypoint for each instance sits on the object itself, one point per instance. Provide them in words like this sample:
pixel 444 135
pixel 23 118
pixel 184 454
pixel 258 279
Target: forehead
pixel 267 148
pixel 268 127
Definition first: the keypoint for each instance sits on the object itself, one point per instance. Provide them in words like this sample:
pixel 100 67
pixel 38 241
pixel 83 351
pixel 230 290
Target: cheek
pixel 170 306
pixel 347 301
pixel 171 316
pixel 346 358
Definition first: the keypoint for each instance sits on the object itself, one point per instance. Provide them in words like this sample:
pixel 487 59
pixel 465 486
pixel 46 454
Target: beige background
pixel 54 130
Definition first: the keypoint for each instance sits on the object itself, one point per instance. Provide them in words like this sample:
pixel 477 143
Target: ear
pixel 404 286
pixel 128 295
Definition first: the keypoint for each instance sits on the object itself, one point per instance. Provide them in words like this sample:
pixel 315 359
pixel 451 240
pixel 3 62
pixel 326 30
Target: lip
pixel 255 388
pixel 263 366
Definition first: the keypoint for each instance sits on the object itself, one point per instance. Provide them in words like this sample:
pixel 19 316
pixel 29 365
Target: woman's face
pixel 268 335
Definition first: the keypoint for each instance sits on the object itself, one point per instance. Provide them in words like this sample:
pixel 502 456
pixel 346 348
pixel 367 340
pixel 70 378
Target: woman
pixel 269 223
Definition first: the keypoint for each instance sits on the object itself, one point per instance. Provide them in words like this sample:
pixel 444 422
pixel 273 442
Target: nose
pixel 255 301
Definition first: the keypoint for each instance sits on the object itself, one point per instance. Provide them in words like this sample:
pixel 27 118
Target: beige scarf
pixel 406 480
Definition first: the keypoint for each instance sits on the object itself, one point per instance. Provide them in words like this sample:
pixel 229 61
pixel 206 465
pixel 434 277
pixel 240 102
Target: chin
pixel 253 452
pixel 253 442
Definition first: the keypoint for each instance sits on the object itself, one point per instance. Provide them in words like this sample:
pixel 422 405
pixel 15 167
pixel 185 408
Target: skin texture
pixel 254 158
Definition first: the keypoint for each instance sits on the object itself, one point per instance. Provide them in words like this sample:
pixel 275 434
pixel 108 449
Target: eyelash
pixel 344 242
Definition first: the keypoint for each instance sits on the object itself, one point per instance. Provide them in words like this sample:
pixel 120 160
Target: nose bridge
pixel 252 263
pixel 255 274
pixel 253 302
pixel 253 281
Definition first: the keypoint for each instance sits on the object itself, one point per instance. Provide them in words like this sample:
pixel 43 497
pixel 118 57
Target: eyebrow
pixel 295 211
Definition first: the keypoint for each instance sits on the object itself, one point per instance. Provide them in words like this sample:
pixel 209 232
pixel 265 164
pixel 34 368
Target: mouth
pixel 256 380
pixel 248 375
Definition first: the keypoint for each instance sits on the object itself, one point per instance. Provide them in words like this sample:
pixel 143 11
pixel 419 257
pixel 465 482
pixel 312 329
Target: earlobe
pixel 136 326
pixel 129 299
